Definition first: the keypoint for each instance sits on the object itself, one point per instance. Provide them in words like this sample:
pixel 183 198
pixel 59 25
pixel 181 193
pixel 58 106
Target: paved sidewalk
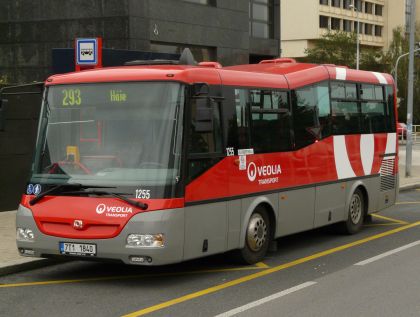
pixel 11 261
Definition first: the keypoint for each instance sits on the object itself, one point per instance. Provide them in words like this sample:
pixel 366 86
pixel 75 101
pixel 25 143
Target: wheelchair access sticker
pixel 30 189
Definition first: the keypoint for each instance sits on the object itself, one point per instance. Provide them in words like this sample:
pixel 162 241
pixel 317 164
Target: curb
pixel 408 187
pixel 16 267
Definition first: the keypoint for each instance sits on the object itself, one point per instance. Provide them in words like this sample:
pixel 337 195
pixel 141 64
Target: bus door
pixel 207 183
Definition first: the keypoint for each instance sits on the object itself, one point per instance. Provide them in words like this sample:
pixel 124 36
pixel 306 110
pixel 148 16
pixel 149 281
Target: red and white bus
pixel 157 164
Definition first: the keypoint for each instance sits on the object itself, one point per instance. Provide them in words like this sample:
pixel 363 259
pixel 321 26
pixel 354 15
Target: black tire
pixel 257 238
pixel 356 214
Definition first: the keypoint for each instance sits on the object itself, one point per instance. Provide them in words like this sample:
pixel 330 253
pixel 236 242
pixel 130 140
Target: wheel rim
pixel 257 232
pixel 355 209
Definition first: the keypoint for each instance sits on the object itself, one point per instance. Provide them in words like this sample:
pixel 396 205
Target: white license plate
pixel 84 249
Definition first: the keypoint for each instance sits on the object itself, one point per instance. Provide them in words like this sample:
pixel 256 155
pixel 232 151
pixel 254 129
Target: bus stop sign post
pixel 409 146
pixel 88 53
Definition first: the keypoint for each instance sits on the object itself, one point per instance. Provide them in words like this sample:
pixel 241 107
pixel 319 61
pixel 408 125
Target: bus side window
pixel 311 114
pixel 205 140
pixel 270 125
pixel 205 127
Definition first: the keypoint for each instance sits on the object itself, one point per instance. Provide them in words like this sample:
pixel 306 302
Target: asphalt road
pixel 311 274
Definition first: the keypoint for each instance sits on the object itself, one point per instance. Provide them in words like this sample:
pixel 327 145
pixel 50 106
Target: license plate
pixel 83 249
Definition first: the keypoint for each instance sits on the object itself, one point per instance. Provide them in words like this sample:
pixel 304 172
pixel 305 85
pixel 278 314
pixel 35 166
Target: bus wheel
pixel 356 213
pixel 257 237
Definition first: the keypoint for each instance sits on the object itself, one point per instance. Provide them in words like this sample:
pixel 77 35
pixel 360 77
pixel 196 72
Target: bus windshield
pixel 111 134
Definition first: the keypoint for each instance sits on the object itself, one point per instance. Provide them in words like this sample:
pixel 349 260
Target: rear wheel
pixel 356 213
pixel 257 238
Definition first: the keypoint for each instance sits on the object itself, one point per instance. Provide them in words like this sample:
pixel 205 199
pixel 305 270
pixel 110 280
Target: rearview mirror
pixel 3 103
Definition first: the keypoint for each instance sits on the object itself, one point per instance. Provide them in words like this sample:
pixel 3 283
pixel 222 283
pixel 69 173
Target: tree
pixel 337 48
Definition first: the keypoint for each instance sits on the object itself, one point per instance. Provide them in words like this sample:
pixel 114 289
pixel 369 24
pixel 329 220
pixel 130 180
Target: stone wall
pixel 30 29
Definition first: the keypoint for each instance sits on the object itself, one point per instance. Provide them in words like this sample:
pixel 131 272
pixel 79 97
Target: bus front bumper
pixel 168 222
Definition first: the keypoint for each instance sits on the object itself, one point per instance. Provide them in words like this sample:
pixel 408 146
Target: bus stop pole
pixel 409 146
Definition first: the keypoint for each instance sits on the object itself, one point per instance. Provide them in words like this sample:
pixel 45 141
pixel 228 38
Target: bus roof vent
pixel 210 64
pixel 278 61
pixel 187 57
pixel 151 62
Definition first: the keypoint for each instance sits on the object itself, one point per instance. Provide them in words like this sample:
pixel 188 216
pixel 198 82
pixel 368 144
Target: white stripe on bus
pixel 341 73
pixel 367 152
pixel 391 143
pixel 341 157
pixel 381 78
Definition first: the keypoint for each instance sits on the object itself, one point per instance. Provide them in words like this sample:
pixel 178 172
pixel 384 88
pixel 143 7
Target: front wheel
pixel 356 213
pixel 257 238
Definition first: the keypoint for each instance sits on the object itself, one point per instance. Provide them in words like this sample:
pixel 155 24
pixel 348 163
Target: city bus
pixel 161 162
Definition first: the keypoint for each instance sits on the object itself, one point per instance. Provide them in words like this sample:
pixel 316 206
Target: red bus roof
pixel 269 74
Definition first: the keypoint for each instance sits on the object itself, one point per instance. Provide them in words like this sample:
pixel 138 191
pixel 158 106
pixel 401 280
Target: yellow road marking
pixel 390 219
pixel 408 203
pixel 266 272
pixel 382 224
pixel 262 265
pixel 127 277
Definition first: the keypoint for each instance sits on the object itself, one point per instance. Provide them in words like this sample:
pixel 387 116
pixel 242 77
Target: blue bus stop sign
pixel 86 51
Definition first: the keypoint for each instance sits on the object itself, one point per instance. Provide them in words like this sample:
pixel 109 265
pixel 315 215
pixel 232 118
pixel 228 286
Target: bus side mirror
pixel 203 119
pixel 3 103
pixel 200 89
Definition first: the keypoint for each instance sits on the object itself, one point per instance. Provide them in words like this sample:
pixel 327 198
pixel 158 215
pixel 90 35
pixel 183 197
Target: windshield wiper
pixel 132 202
pixel 60 188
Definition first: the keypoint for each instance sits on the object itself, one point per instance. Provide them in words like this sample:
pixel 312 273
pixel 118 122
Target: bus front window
pixel 111 134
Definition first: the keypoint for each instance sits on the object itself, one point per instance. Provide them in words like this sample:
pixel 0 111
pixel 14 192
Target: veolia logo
pixel 252 171
pixel 112 210
pixel 262 171
pixel 100 208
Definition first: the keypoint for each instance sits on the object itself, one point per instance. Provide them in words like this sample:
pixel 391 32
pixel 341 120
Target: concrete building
pixel 305 21
pixel 229 31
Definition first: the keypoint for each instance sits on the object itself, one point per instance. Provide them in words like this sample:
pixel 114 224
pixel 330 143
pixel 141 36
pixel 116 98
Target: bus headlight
pixel 146 240
pixel 24 234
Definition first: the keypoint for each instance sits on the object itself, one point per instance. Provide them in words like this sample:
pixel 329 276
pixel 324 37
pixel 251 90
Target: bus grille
pixel 387 174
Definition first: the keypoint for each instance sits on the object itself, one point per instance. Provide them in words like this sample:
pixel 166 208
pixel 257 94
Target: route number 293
pixel 71 97
pixel 143 193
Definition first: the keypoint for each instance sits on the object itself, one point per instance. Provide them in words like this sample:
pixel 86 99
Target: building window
pixel 368 29
pixel 378 30
pixel 205 2
pixel 323 22
pixel 347 25
pixel 336 3
pixel 347 3
pixel 360 27
pixel 335 24
pixel 323 2
pixel 378 9
pixel 368 7
pixel 261 18
pixel 358 5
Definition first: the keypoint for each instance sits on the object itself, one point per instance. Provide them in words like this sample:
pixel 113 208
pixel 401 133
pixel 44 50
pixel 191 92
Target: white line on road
pixel 380 256
pixel 265 300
